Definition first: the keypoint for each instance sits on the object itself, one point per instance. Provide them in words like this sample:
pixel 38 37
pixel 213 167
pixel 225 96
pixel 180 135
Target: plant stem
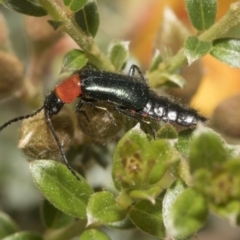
pixel 124 200
pixel 229 20
pixel 85 42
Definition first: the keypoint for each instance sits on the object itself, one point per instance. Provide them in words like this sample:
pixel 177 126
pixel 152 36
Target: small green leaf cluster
pixel 211 38
pixel 202 15
pixel 165 186
pixel 143 168
pixel 215 170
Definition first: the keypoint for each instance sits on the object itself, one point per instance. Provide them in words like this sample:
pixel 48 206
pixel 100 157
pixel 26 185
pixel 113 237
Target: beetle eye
pixel 54 109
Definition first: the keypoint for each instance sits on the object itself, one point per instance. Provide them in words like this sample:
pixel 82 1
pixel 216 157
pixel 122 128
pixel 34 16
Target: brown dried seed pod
pixel 42 33
pixel 98 123
pixel 226 117
pixel 4 31
pixel 11 74
pixel 35 137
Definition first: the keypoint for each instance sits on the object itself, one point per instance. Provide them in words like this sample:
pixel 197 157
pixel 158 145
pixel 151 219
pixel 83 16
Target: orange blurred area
pixel 219 82
pixel 149 20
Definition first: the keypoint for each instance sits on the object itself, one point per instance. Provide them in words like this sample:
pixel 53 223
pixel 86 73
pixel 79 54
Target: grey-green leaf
pixel 87 18
pixel 118 54
pixel 227 50
pixel 167 131
pixel 188 214
pixel 173 80
pixel 184 141
pixel 169 198
pixel 55 24
pixel 148 217
pixel 23 236
pixel 73 61
pixel 75 5
pixel 123 224
pixel 195 49
pixel 7 226
pixel 130 154
pixel 52 217
pixel 102 208
pixel 157 59
pixel 94 234
pixel 207 150
pixel 202 13
pixel 60 187
pixel 25 7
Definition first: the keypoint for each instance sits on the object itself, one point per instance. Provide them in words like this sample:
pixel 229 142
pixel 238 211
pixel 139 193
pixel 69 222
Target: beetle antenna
pixel 21 118
pixel 59 144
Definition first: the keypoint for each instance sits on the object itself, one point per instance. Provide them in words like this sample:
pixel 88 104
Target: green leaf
pixel 75 5
pixel 206 151
pixel 169 198
pixel 129 158
pixel 195 49
pixel 94 234
pixel 7 226
pixel 139 163
pixel 123 224
pixel 230 211
pixel 158 78
pixel 55 24
pixel 52 217
pixel 181 171
pixel 118 54
pixel 148 194
pixel 173 80
pixel 184 141
pixel 25 7
pixel 233 168
pixel 202 181
pixel 160 156
pixel 187 214
pixel 222 189
pixel 60 187
pixel 23 236
pixel 202 13
pixel 225 184
pixel 227 51
pixel 88 18
pixel 167 132
pixel 157 59
pixel 148 217
pixel 102 208
pixel 73 61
